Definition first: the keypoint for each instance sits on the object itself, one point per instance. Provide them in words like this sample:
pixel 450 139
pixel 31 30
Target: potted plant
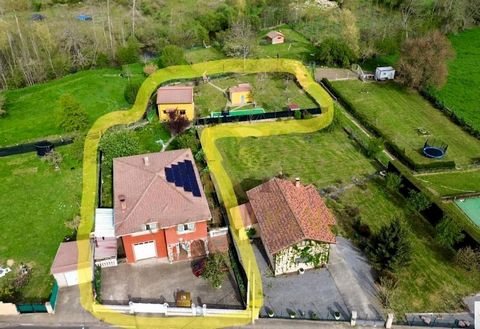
pixel 336 315
pixel 291 313
pixel 313 316
pixel 270 313
pixel 301 270
pixel 251 233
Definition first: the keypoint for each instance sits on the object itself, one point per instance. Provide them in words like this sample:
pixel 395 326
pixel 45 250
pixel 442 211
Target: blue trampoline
pixel 432 151
pixel 84 17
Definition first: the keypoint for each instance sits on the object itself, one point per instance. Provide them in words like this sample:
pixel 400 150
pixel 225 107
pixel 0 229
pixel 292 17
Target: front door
pixel 242 99
pixel 144 250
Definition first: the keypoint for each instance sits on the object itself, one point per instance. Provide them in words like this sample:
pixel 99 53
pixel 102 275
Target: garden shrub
pixel 177 123
pixel 187 139
pixel 334 52
pixel 98 283
pixel 131 90
pixel 390 248
pixel 468 259
pixel 393 182
pixel 448 232
pixel 118 143
pixel 171 55
pixel 129 53
pixel 215 270
pixel 72 116
pixel 418 201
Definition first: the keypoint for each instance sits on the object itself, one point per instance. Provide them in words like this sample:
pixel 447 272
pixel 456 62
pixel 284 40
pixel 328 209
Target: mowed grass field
pixel 452 183
pixel 431 283
pixel 32 112
pixel 296 46
pixel 461 93
pixel 397 113
pixel 36 203
pixel 273 92
pixel 321 158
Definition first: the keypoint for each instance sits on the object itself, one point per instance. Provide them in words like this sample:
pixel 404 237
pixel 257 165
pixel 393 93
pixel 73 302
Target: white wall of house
pixel 290 259
pixel 73 278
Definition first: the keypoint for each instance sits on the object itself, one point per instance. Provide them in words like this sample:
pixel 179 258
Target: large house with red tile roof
pixel 160 208
pixel 294 222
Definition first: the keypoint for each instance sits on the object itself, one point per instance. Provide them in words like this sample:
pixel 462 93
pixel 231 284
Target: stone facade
pixel 306 254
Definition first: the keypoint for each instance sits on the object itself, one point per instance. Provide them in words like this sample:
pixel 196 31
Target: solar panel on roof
pixel 187 185
pixel 192 178
pixel 169 175
pixel 178 180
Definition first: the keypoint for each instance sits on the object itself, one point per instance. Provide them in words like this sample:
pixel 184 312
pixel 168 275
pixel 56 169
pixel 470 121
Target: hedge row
pixel 450 114
pixel 391 147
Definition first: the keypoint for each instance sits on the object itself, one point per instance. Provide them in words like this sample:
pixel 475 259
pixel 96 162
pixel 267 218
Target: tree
pixel 187 140
pixel 177 122
pixel 334 52
pixel 129 53
pixel 448 232
pixel 374 146
pixel 72 116
pixel 118 143
pixel 215 270
pixel 418 201
pixel 393 182
pixel 390 247
pixel 240 39
pixel 423 61
pixel 172 55
pixel 131 90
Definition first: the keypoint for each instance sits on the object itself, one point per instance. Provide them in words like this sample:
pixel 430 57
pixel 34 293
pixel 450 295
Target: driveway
pixel 346 284
pixel 150 281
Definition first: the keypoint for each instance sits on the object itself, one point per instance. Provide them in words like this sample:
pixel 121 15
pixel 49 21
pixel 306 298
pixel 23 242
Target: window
pixel 150 226
pixel 164 112
pixel 182 112
pixel 186 228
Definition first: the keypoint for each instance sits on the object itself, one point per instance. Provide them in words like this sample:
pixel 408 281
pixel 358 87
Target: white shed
pixel 68 268
pixel 384 73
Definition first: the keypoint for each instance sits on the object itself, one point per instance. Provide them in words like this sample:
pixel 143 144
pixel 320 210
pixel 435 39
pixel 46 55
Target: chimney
pixel 123 204
pixel 146 161
pixel 297 182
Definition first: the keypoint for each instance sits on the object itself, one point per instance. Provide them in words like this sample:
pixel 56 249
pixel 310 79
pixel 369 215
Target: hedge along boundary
pixel 90 178
pixel 448 209
pixel 390 146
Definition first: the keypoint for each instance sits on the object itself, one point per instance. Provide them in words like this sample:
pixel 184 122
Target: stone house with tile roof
pixel 160 208
pixel 294 223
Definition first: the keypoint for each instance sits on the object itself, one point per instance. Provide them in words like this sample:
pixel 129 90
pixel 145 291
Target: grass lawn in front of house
pixel 198 55
pixel 32 112
pixel 296 46
pixel 272 92
pixel 431 283
pixel 37 202
pixel 398 114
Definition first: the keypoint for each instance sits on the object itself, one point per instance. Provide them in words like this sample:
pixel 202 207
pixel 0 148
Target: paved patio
pixel 151 281
pixel 346 284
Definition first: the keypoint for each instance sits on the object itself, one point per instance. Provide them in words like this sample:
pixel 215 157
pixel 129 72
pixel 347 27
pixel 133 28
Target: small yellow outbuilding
pixel 175 99
pixel 240 94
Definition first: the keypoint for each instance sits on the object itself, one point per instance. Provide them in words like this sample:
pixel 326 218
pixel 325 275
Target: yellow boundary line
pixel 214 159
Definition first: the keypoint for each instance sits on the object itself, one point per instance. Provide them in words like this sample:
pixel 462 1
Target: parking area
pixel 346 284
pixel 151 281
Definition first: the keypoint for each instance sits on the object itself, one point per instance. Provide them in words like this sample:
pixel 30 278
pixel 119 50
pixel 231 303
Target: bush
pixel 72 116
pixel 177 122
pixel 98 283
pixel 215 270
pixel 149 69
pixel 373 147
pixel 334 52
pixel 468 259
pixel 129 53
pixel 186 140
pixel 131 90
pixel 118 143
pixel 251 232
pixel 448 232
pixel 418 201
pixel 390 247
pixel 393 182
pixel 171 55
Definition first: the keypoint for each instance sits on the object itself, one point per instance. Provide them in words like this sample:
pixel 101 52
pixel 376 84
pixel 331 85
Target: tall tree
pixel 423 61
pixel 240 40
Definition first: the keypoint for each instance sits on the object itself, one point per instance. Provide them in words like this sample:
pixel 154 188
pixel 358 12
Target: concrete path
pixel 354 279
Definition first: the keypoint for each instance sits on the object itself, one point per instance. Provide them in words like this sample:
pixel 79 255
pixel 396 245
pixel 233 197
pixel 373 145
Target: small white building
pixel 104 240
pixel 384 73
pixel 68 268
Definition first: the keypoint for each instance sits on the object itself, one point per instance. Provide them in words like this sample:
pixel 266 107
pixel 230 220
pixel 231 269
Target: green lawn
pixel 36 203
pixel 398 113
pixel 32 111
pixel 461 91
pixel 271 91
pixel 296 46
pixel 197 55
pixel 452 183
pixel 430 283
pixel 320 158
